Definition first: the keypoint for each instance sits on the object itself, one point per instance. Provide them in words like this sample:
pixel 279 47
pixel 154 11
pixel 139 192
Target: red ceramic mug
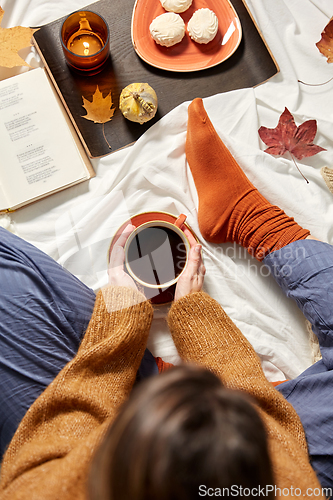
pixel 156 253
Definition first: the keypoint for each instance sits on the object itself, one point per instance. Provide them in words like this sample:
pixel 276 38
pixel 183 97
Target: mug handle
pixel 180 221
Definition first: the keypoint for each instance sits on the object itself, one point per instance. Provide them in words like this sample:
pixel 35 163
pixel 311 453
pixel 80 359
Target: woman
pixel 183 435
pixel 160 444
pixel 51 452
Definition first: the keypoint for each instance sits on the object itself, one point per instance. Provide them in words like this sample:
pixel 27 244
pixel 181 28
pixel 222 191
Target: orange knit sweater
pixel 50 454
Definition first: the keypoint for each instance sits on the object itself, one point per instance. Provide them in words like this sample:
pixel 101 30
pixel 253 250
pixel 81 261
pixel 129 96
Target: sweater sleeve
pixel 205 334
pixel 52 448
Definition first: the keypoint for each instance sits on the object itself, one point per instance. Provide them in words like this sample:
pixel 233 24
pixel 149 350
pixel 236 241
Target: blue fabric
pixel 44 312
pixel 304 270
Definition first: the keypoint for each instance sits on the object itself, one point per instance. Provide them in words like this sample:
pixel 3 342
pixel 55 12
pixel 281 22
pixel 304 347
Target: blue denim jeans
pixel 304 271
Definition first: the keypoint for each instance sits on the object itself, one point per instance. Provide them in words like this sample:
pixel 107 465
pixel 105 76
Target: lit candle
pixel 85 41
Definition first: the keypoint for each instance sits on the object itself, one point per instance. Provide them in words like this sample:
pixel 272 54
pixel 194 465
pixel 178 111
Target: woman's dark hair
pixel 180 431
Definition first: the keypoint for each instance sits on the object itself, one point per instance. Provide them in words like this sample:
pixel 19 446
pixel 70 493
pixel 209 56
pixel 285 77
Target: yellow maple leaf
pixel 99 110
pixel 12 40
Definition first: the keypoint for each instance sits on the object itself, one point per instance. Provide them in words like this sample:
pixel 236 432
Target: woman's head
pixel 177 432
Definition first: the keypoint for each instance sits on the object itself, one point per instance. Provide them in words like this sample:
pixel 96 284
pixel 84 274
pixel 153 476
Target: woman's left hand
pixel 193 277
pixel 117 274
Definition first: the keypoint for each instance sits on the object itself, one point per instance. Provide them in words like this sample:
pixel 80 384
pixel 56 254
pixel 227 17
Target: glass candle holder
pixel 85 40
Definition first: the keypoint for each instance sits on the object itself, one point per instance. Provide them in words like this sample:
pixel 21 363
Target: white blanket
pixel 76 225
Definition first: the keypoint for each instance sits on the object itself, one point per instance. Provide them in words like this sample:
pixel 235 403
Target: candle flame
pixel 86 48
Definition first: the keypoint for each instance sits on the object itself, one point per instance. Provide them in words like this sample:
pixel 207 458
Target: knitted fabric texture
pixel 231 209
pixel 50 454
pixel 204 334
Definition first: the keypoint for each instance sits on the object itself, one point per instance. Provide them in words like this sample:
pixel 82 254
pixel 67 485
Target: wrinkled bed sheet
pixel 76 225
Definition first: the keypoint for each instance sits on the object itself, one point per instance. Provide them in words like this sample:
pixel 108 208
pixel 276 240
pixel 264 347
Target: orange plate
pixel 167 295
pixel 186 55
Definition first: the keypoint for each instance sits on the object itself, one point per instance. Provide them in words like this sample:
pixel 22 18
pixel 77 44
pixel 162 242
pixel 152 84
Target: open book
pixel 39 152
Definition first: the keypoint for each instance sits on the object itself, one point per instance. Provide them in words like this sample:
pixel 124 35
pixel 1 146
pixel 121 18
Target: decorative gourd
pixel 138 102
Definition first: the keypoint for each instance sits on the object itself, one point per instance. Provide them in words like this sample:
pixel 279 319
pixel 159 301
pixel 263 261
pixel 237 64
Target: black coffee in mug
pixel 156 255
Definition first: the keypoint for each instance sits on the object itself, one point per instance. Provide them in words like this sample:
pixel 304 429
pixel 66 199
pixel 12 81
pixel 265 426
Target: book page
pixel 3 199
pixel 37 152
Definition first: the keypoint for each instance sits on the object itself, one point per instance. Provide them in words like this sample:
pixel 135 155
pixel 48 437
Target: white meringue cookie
pixel 176 5
pixel 203 26
pixel 167 29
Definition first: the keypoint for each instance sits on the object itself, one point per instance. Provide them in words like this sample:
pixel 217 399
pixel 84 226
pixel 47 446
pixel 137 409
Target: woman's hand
pixel 117 275
pixel 192 278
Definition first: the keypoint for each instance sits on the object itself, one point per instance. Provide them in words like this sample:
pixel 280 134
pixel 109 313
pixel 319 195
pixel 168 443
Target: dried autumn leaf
pixel 288 137
pixel 99 110
pixel 12 40
pixel 325 44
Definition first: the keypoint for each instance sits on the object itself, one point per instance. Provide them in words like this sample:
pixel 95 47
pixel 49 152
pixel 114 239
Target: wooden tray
pixel 249 66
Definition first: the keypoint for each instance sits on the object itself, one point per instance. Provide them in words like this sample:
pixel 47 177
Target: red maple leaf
pixel 288 137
